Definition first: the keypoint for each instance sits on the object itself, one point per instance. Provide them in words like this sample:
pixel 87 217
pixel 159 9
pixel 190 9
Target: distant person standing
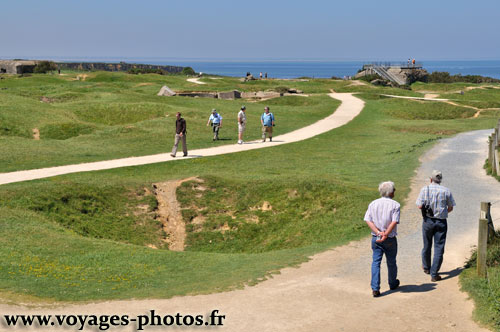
pixel 409 62
pixel 216 120
pixel 413 62
pixel 180 134
pixel 265 75
pixel 242 122
pixel 382 216
pixel 435 201
pixel 260 75
pixel 267 121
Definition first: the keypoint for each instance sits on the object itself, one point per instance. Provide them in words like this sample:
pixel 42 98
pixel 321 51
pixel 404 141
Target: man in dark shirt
pixel 180 134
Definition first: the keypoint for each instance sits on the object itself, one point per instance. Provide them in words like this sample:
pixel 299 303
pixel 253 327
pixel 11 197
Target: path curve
pixel 348 109
pixel 331 292
pixel 195 80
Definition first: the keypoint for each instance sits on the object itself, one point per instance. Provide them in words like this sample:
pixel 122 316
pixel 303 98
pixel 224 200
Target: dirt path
pixel 430 97
pixel 195 80
pixel 169 212
pixel 348 109
pixel 331 292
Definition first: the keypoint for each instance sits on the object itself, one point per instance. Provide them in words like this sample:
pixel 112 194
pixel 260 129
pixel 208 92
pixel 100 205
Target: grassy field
pixel 85 236
pixel 485 291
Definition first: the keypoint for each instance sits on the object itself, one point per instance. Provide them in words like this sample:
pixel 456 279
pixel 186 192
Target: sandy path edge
pixel 348 109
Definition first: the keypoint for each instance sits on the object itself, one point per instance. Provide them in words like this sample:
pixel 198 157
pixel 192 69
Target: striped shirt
pixel 382 212
pixel 438 197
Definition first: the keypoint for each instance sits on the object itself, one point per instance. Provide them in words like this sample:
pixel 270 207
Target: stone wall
pixel 121 66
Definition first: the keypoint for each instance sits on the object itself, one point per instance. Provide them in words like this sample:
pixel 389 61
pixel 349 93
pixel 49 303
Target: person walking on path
pixel 216 120
pixel 267 121
pixel 242 122
pixel 180 134
pixel 382 217
pixel 435 201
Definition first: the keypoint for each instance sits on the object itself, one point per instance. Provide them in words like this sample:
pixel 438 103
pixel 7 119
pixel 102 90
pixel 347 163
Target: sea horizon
pixel 291 68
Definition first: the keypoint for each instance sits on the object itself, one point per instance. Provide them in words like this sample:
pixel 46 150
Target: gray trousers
pixel 176 144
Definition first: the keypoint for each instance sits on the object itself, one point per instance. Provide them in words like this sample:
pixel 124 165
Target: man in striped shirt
pixel 382 217
pixel 434 227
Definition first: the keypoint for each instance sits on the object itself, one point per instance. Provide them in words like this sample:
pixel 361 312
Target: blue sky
pixel 246 30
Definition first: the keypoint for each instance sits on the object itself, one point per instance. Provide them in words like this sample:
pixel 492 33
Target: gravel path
pixel 348 109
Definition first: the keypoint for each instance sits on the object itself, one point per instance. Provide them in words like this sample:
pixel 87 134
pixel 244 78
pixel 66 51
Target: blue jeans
pixel 390 248
pixel 433 229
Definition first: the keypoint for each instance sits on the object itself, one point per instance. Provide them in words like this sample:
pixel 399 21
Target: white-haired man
pixel 437 201
pixel 382 216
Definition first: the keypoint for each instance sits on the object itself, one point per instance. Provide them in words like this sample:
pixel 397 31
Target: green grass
pixel 485 291
pixel 63 236
pixel 114 115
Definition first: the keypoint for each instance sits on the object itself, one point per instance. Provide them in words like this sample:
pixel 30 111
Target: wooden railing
pixel 493 157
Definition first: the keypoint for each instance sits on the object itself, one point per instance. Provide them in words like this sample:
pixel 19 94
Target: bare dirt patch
pixel 81 77
pixel 431 95
pixel 46 100
pixel 357 83
pixel 36 134
pixel 169 213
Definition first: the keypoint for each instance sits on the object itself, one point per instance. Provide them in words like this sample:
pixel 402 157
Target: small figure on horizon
pixel 215 120
pixel 242 121
pixel 260 75
pixel 265 75
pixel 435 201
pixel 382 217
pixel 267 121
pixel 413 62
pixel 409 62
pixel 180 135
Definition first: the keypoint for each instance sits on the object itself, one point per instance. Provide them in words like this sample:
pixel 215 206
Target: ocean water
pixel 323 69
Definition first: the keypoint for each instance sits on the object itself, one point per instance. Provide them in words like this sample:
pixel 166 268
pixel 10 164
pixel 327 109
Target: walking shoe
pixel 172 155
pixel 376 293
pixel 185 155
pixel 270 139
pixel 396 285
pixel 263 140
pixel 426 271
pixel 436 278
pixel 240 142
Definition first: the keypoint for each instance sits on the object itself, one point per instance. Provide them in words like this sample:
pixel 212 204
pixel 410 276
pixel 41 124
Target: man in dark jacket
pixel 180 134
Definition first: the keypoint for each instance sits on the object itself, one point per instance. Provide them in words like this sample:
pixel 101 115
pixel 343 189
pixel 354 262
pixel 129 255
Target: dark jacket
pixel 180 126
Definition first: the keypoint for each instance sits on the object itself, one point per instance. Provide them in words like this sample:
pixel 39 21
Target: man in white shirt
pixel 382 217
pixel 242 121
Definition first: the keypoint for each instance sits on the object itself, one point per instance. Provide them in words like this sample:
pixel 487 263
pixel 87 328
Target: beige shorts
pixel 241 127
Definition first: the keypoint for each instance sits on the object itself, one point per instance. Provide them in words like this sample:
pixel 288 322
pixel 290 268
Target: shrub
pixel 188 71
pixel 445 77
pixel 137 71
pixel 45 66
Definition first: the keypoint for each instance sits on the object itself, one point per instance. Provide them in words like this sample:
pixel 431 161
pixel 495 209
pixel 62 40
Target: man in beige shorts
pixel 242 121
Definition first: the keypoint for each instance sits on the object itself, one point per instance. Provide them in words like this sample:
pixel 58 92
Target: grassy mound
pixel 258 212
pixel 424 110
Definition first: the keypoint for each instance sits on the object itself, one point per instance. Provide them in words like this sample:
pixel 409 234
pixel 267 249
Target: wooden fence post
pixel 482 243
pixel 494 155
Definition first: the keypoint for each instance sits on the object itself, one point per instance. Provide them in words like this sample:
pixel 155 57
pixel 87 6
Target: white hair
pixel 386 188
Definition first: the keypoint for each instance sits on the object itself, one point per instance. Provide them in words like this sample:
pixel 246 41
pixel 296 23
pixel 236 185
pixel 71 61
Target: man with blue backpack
pixel 267 121
pixel 216 120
